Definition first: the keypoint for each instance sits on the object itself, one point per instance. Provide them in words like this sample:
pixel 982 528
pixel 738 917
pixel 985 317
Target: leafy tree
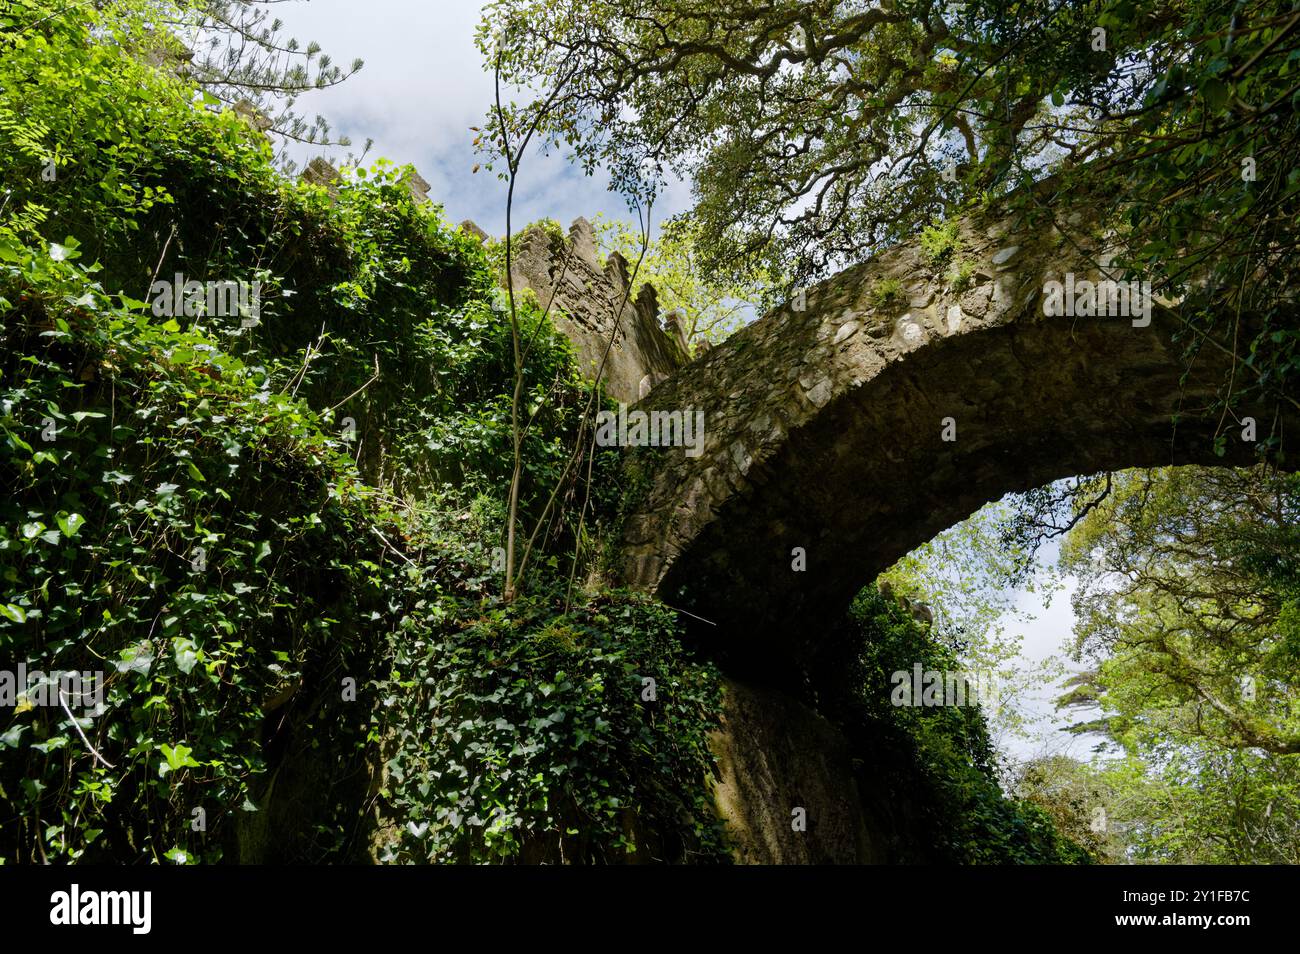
pixel 1188 599
pixel 970 576
pixel 1186 613
pixel 814 132
pixel 1078 800
pixel 1200 803
pixel 708 310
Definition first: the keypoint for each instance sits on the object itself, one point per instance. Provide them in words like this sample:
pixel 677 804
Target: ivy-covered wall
pixel 277 539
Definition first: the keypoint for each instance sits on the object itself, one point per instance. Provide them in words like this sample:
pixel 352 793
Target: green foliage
pixel 936 759
pixel 1188 803
pixel 710 308
pixel 971 576
pixel 960 276
pixel 1187 600
pixel 171 524
pixel 1186 611
pixel 940 242
pixel 1206 805
pixel 530 733
pixel 886 292
pixel 239 523
pixel 98 158
pixel 363 279
pixel 1084 805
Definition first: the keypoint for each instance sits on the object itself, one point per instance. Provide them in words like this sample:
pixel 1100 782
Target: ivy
pixel 276 541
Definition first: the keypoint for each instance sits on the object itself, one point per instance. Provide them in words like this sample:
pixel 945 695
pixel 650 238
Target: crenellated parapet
pixel 615 328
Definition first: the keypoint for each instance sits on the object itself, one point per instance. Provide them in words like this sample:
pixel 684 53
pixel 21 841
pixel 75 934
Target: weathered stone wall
pixel 775 755
pixel 825 427
pixel 624 342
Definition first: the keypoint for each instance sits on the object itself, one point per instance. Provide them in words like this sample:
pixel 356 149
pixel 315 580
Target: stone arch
pixel 825 427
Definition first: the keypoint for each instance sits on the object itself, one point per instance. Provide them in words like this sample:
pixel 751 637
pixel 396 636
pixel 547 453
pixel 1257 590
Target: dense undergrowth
pixel 268 553
pixel 930 768
pixel 277 540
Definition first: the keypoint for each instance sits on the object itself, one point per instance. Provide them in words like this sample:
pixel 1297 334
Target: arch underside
pixel 868 477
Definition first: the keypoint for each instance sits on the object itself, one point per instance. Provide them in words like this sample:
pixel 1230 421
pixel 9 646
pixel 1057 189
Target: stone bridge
pixel 903 396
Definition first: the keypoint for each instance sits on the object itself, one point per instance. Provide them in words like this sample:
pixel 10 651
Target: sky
pixel 1044 632
pixel 422 88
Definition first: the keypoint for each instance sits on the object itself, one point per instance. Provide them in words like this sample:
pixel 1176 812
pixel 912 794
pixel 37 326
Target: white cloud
pixel 422 88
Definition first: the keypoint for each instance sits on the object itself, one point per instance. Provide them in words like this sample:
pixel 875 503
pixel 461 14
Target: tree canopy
pixel 814 132
pixel 1189 605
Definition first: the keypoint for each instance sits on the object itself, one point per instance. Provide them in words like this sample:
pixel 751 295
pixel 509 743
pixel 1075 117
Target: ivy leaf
pixel 70 523
pixel 185 654
pixel 178 757
pixel 136 658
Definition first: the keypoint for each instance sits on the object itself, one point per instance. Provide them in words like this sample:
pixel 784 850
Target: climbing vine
pixel 276 540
